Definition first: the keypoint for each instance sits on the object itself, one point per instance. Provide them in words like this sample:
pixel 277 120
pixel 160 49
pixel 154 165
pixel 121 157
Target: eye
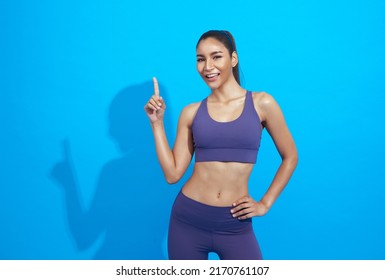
pixel 217 57
pixel 200 59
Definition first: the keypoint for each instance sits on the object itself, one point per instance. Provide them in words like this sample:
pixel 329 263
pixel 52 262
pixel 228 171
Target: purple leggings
pixel 197 229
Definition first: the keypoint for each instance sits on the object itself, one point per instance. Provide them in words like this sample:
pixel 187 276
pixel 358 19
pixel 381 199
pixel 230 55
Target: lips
pixel 212 77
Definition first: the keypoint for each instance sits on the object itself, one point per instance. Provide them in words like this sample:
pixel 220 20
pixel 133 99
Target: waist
pixel 216 189
pixel 222 173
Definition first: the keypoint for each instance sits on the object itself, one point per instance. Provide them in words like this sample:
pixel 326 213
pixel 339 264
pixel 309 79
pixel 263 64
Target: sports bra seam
pixel 256 112
pixel 226 148
pixel 196 113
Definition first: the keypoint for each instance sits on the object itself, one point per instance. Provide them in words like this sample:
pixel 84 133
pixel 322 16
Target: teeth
pixel 211 75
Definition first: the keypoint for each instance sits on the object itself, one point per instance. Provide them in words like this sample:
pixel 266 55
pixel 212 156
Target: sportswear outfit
pixel 196 228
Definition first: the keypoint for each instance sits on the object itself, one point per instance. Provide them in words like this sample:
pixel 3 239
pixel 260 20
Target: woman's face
pixel 214 63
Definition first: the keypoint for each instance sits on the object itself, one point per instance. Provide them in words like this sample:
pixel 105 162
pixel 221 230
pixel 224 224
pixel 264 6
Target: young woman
pixel 213 211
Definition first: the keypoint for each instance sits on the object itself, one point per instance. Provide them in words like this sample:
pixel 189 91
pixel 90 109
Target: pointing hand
pixel 156 106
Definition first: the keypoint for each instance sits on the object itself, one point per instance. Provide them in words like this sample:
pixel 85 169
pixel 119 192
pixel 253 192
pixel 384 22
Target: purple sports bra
pixel 233 141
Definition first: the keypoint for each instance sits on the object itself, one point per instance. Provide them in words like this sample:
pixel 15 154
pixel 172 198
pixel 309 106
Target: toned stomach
pixel 218 183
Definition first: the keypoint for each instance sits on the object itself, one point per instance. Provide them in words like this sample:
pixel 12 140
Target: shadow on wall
pixel 132 201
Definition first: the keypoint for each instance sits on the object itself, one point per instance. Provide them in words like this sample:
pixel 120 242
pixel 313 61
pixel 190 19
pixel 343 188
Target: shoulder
pixel 262 98
pixel 188 112
pixel 264 103
pixel 191 109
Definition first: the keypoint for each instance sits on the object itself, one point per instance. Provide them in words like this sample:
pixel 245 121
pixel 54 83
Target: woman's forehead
pixel 210 44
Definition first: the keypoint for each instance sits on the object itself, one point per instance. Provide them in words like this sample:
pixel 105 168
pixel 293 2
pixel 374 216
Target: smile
pixel 210 76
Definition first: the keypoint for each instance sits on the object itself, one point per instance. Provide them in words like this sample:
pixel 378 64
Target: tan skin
pixel 221 183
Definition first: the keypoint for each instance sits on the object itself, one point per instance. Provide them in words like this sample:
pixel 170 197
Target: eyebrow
pixel 213 53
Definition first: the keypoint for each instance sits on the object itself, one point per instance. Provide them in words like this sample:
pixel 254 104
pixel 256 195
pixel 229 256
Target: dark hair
pixel 227 40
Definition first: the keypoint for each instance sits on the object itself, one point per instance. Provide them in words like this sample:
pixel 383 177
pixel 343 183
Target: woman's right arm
pixel 173 162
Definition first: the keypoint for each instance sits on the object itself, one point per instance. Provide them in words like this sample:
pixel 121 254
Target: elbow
pixel 291 160
pixel 172 179
pixel 173 175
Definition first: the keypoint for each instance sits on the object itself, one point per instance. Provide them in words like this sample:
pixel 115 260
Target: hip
pixel 207 217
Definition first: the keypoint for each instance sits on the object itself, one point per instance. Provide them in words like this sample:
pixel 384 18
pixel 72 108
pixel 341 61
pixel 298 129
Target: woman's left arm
pixel 274 122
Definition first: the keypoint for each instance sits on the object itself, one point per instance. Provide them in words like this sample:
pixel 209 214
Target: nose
pixel 209 65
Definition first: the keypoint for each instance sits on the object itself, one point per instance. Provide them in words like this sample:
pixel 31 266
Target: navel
pixel 218 195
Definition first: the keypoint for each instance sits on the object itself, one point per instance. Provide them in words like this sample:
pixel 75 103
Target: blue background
pixel 79 178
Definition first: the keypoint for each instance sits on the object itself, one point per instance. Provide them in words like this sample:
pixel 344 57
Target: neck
pixel 227 91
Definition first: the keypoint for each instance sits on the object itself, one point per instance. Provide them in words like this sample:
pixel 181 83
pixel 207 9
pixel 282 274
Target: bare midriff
pixel 218 183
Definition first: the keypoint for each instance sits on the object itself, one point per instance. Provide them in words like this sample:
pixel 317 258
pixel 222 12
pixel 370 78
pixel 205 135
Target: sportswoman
pixel 213 211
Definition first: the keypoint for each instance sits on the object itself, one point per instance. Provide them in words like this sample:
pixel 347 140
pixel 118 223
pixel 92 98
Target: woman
pixel 213 211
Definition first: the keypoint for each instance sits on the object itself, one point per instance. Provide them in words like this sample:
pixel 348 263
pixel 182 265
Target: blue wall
pixel 79 178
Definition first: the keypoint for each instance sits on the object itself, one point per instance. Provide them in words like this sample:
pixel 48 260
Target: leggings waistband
pixel 205 216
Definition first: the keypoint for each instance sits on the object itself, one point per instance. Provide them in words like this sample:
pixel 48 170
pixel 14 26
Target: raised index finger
pixel 156 87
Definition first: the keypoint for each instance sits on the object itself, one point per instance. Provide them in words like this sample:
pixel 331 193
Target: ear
pixel 234 59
